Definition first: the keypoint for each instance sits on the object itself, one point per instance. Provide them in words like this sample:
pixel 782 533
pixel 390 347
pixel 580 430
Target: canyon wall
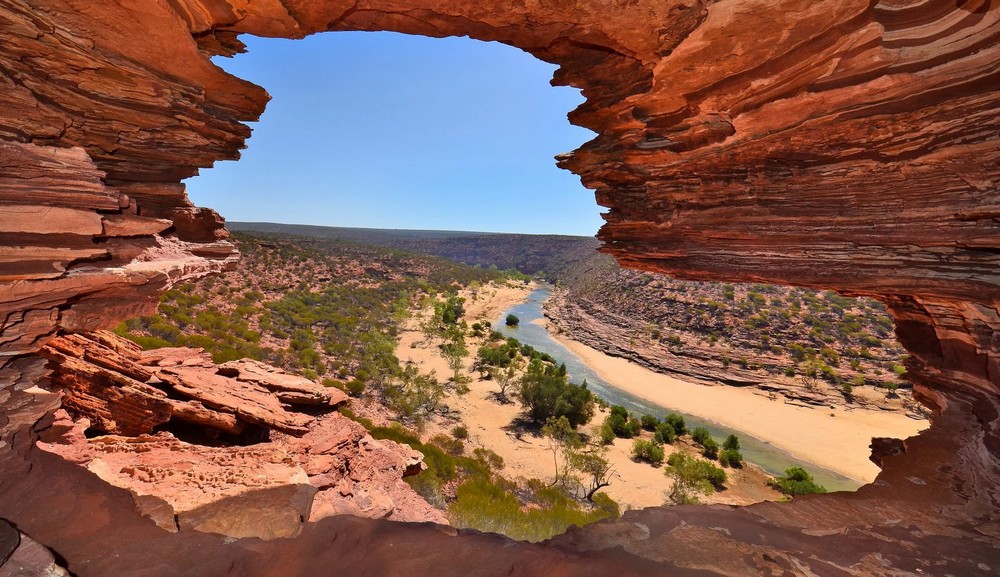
pixel 849 145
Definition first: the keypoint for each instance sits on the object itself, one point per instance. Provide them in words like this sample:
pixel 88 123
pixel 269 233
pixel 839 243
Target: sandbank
pixel 834 438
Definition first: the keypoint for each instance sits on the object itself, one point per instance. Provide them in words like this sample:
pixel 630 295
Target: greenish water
pixel 757 451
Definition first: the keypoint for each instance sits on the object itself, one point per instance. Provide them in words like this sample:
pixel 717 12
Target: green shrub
pixel 488 458
pixel 354 388
pixel 664 434
pixel 710 449
pixel 649 422
pixel 490 505
pixel 796 481
pixel 620 411
pixel 732 442
pixel 731 458
pixel 618 425
pixel 648 451
pixel 677 422
pixel 512 321
pixel 460 432
pixel 699 435
pixel 691 477
pixel 450 445
pixel 545 392
pixel 607 433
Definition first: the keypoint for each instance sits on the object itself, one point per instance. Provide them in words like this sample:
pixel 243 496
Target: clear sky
pixel 384 130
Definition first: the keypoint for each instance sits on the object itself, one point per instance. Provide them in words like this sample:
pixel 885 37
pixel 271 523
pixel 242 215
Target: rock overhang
pixel 844 145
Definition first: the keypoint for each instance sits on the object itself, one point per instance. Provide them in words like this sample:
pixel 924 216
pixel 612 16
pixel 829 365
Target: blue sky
pixel 384 130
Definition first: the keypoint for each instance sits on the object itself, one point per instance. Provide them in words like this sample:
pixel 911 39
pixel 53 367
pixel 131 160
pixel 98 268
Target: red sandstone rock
pixel 264 490
pixel 846 145
pixel 289 388
pixel 249 403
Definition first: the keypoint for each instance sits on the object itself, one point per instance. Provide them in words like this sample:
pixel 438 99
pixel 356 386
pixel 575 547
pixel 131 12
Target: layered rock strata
pixel 124 406
pixel 844 145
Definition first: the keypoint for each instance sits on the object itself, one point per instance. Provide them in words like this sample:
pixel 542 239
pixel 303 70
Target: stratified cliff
pixel 848 145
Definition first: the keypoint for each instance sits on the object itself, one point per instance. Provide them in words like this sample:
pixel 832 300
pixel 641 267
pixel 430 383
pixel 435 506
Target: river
pixel 757 451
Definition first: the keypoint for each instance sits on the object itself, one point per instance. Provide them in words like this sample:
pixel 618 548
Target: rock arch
pixel 851 145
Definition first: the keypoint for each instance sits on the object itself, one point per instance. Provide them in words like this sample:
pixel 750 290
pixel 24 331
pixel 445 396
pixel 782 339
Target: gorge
pixel 849 146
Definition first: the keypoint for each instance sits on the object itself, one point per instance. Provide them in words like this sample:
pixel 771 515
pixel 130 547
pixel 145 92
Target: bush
pixel 648 451
pixel 545 392
pixel 488 458
pixel 691 477
pixel 453 447
pixel 460 432
pixel 699 435
pixel 512 321
pixel 490 505
pixel 710 449
pixel 649 422
pixel 621 424
pixel 665 434
pixel 677 422
pixel 732 442
pixel 354 388
pixel 797 481
pixel 617 425
pixel 607 433
pixel 731 458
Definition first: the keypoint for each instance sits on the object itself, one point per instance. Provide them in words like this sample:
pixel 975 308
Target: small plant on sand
pixel 797 481
pixel 648 451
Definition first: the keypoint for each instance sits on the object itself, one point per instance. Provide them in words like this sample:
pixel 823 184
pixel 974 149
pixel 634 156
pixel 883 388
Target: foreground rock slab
pixel 301 467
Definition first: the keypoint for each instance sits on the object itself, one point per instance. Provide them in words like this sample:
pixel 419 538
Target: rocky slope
pixel 241 449
pixel 810 346
pixel 830 144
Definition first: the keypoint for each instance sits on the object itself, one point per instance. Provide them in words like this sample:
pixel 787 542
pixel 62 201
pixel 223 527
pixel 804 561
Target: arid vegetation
pixel 819 342
pixel 331 311
pixel 753 332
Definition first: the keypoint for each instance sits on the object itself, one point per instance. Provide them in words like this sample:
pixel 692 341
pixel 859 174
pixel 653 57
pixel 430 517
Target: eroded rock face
pixel 301 467
pixel 835 144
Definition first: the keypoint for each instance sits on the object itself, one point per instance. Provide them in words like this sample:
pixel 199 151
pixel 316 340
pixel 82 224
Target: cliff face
pixel 845 145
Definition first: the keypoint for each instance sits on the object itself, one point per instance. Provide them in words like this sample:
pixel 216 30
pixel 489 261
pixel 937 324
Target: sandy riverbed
pixel 836 439
pixel 527 455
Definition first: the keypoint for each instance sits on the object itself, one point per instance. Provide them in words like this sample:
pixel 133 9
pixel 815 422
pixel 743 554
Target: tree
pixel 414 394
pixel 455 351
pixel 649 422
pixel 545 392
pixel 665 434
pixel 501 363
pixel 378 359
pixel 512 320
pixel 677 422
pixel 692 477
pixel 710 449
pixel 621 424
pixel 561 439
pixel 597 471
pixel 731 458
